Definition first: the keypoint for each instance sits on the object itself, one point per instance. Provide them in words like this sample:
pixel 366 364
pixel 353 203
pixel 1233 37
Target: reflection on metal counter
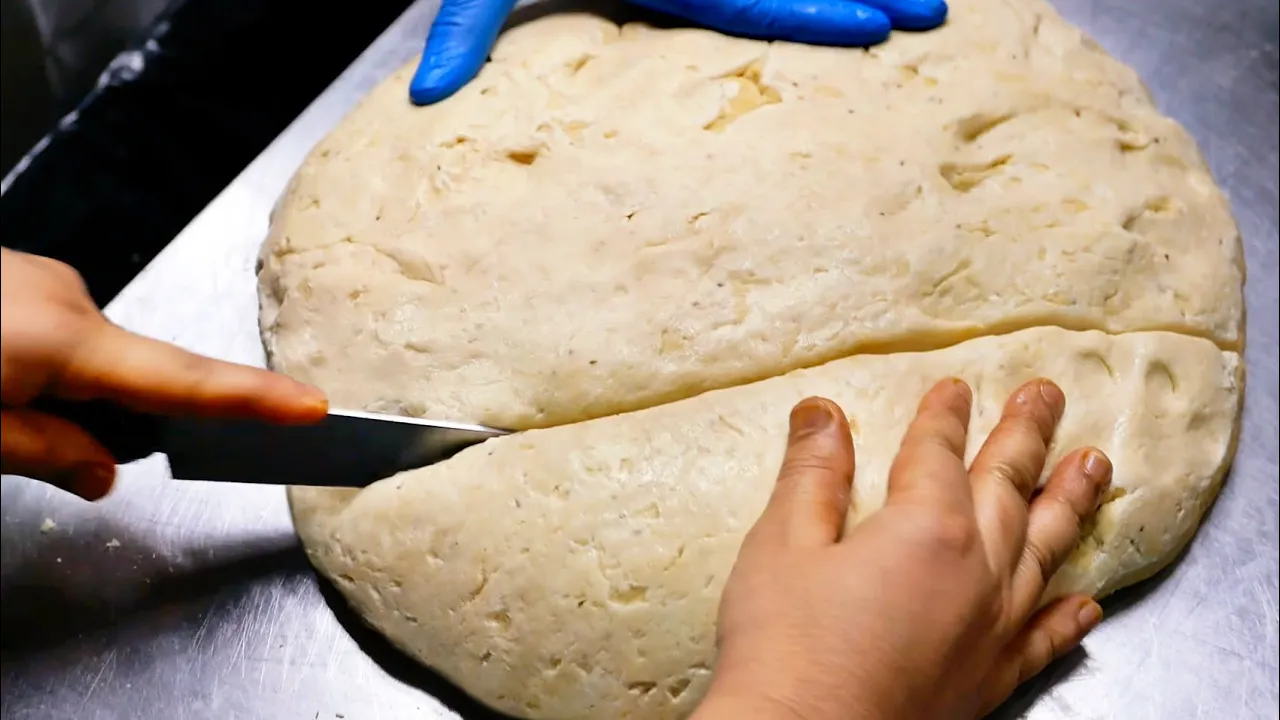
pixel 168 124
pixel 53 51
pixel 190 600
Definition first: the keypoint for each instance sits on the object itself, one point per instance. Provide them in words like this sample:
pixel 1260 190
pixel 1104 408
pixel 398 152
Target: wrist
pixel 757 706
pixel 735 695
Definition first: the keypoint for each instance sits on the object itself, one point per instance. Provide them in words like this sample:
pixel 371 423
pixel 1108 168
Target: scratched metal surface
pixel 182 601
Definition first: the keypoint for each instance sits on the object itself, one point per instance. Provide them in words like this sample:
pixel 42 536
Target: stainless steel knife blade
pixel 346 449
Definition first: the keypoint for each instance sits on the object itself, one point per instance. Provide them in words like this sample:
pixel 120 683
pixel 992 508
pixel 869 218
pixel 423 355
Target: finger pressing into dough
pixel 1054 521
pixel 157 377
pixel 1053 632
pixel 46 447
pixel 811 498
pixel 929 468
pixel 1008 467
pixel 458 45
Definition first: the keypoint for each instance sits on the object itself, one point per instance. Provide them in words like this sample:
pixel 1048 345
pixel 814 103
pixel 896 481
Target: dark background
pixel 146 150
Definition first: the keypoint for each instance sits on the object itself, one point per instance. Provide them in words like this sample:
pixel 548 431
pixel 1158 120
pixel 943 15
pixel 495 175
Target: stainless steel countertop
pixel 183 600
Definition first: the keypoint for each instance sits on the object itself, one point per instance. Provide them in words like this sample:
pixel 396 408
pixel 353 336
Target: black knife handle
pixel 128 434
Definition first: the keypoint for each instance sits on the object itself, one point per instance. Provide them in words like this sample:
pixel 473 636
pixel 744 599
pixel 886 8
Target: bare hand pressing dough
pixel 997 201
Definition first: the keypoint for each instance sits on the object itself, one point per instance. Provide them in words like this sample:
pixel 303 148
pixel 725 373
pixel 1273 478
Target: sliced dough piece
pixel 574 572
pixel 608 219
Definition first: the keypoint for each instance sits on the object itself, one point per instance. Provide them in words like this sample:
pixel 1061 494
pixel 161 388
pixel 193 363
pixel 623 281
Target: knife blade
pixel 346 449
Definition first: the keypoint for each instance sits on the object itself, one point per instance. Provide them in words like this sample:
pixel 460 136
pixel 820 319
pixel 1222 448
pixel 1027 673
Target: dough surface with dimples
pixel 610 222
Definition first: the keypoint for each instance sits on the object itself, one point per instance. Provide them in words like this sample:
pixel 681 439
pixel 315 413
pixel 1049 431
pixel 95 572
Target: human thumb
pixel 811 498
pixel 45 447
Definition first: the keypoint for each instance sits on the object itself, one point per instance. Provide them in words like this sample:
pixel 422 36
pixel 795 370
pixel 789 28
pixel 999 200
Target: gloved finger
pixel 46 447
pixel 1052 633
pixel 811 498
pixel 458 45
pixel 911 14
pixel 1068 500
pixel 815 22
pixel 151 376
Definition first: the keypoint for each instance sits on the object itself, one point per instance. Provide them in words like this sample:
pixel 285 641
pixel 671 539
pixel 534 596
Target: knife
pixel 345 449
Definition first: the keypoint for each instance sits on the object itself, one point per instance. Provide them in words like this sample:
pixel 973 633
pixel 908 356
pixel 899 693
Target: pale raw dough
pixel 611 220
pixel 574 571
pixel 564 239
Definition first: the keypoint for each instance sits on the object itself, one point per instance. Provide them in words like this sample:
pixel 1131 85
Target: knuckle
pixel 1032 428
pixel 33 448
pixel 1010 509
pixel 48 264
pixel 1043 557
pixel 945 434
pixel 950 534
pixel 37 443
pixel 1020 434
pixel 1041 649
pixel 1065 514
pixel 1017 473
pixel 803 464
pixel 62 273
pixel 818 455
pixel 1078 497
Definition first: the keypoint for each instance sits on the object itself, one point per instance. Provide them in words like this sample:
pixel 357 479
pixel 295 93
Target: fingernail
pixel 810 416
pixel 313 397
pixel 94 482
pixel 1052 395
pixel 1096 466
pixel 963 387
pixel 1090 615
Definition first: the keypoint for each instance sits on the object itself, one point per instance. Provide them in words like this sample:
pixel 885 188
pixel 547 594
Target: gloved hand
pixel 465 30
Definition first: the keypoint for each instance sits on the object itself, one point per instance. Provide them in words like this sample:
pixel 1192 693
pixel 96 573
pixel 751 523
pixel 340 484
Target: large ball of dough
pixel 610 222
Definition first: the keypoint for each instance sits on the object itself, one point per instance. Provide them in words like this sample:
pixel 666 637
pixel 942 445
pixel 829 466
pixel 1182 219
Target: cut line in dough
pixel 995 200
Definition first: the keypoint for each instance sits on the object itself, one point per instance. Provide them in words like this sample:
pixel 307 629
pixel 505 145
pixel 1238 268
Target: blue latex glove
pixel 465 30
